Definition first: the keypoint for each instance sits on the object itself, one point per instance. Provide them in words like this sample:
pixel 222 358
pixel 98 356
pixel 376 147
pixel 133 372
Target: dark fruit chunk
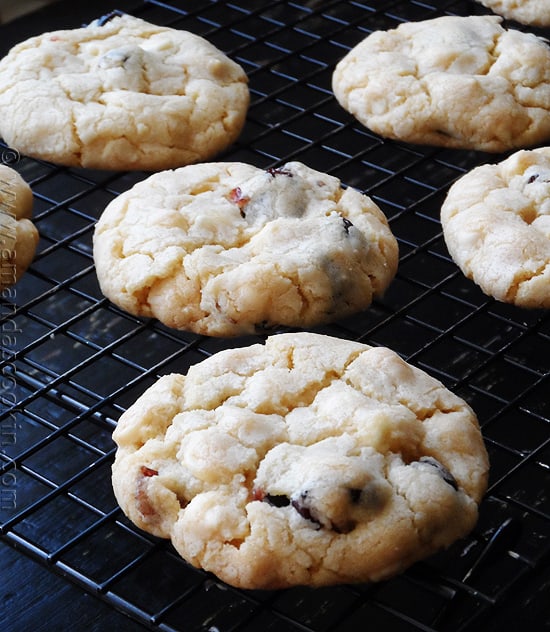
pixel 301 505
pixel 276 171
pixel 277 500
pixel 109 16
pixel 347 224
pixel 442 471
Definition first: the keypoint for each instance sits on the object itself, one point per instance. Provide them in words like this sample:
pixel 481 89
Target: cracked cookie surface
pixel 226 249
pixel 532 12
pixel 496 224
pixel 124 94
pixel 309 460
pixel 459 82
pixel 18 234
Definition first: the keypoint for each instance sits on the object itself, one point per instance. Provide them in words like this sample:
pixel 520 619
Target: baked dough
pixel 122 94
pixel 18 235
pixel 458 82
pixel 309 460
pixel 226 249
pixel 496 224
pixel 532 12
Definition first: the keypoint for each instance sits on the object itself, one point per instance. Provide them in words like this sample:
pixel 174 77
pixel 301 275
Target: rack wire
pixel 72 362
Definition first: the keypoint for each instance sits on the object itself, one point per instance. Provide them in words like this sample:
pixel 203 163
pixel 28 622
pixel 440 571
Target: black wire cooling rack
pixel 72 362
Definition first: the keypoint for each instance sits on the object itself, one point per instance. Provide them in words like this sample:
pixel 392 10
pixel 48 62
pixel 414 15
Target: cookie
pixel 121 94
pixel 496 224
pixel 309 460
pixel 18 235
pixel 456 82
pixel 227 249
pixel 531 12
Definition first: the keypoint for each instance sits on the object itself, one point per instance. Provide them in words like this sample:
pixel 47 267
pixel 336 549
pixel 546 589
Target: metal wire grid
pixel 72 362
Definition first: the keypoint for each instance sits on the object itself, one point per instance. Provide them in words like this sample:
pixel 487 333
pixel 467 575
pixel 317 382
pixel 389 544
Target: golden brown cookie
pixel 532 12
pixel 459 82
pixel 18 235
pixel 309 460
pixel 496 223
pixel 226 249
pixel 121 94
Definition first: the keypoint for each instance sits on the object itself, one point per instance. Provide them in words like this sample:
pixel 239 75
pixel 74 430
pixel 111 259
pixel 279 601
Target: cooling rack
pixel 72 362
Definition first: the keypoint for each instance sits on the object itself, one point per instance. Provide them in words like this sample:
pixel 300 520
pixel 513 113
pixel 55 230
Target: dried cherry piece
pixel 147 471
pixel 144 505
pixel 236 196
pixel 278 171
pixel 258 494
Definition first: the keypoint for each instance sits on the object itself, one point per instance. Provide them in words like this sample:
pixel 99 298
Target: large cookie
pixel 459 82
pixel 121 94
pixel 227 249
pixel 18 235
pixel 308 460
pixel 532 12
pixel 496 223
